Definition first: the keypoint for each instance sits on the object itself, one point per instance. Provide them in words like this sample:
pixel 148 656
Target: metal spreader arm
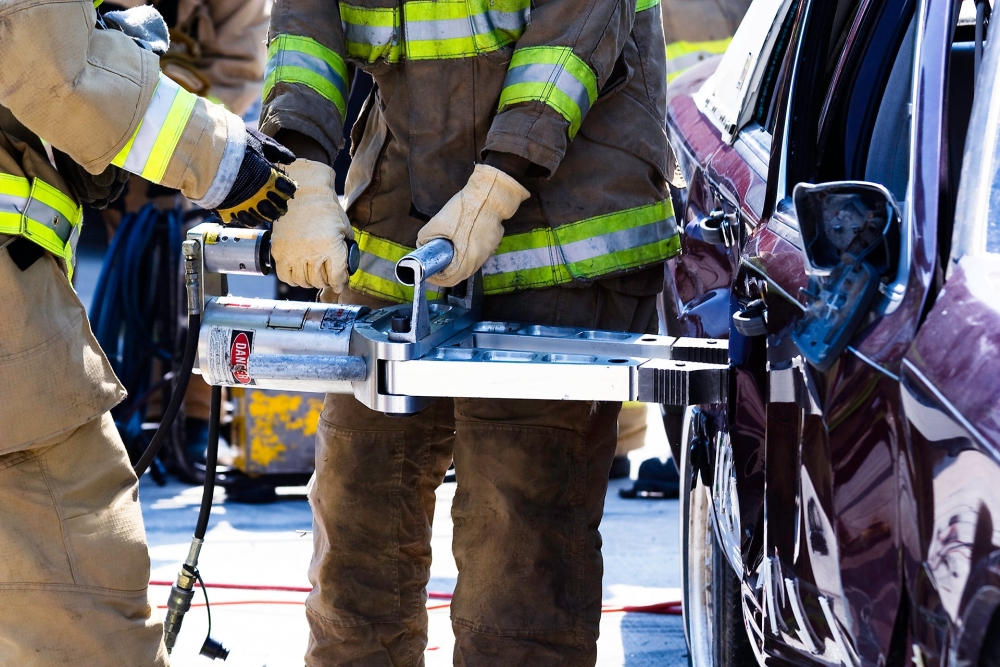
pixel 401 358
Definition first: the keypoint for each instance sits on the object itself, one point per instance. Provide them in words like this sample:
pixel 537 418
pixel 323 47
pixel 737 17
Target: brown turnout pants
pixel 532 476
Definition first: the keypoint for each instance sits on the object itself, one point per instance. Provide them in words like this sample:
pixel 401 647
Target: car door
pixel 721 121
pixel 868 85
pixel 950 390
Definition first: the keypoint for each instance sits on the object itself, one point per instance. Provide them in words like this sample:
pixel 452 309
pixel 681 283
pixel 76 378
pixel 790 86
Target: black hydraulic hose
pixel 211 461
pixel 176 397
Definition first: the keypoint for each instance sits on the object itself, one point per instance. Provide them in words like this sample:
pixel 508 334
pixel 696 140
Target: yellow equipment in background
pixel 274 441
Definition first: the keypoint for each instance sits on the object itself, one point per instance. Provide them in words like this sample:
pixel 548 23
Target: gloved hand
pixel 98 190
pixel 472 221
pixel 309 245
pixel 261 192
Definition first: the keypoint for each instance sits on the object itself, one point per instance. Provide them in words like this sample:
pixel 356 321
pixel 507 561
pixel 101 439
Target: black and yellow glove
pixel 261 192
pixel 98 190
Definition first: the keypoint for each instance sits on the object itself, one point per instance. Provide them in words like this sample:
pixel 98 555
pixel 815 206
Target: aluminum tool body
pixel 399 359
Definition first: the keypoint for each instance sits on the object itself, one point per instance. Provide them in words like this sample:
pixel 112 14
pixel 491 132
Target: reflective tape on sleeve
pixel 585 250
pixel 643 5
pixel 295 59
pixel 149 150
pixel 555 76
pixel 42 214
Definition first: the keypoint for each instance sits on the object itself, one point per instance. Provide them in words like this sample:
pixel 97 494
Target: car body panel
pixel 870 488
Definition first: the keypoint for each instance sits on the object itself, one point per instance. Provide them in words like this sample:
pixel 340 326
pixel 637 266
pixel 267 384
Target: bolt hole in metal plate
pixel 454 354
pixel 496 327
pixel 508 355
pixel 549 332
pixel 603 335
pixel 569 358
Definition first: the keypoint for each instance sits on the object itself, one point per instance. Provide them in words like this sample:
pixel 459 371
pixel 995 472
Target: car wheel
pixel 712 602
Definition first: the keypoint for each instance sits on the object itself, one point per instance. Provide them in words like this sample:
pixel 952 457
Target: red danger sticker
pixel 239 357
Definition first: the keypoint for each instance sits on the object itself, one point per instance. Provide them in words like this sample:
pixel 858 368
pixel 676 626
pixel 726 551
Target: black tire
pixel 989 652
pixel 712 599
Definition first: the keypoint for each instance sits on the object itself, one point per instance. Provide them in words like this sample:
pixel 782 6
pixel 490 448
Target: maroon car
pixel 842 227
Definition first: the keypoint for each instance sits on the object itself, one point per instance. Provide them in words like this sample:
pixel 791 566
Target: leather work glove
pixel 309 245
pixel 261 192
pixel 473 221
pixel 98 190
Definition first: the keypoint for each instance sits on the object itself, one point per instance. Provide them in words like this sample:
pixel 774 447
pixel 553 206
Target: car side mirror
pixel 850 241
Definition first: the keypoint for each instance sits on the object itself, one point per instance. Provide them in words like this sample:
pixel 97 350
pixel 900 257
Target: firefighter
pixel 531 135
pixel 74 567
pixel 698 29
pixel 216 51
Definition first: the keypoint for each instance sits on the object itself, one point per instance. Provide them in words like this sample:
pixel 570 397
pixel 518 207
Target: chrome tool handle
pixel 413 270
pixel 425 261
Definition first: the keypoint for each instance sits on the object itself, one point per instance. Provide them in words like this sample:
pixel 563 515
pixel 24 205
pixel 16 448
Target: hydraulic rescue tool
pixel 399 359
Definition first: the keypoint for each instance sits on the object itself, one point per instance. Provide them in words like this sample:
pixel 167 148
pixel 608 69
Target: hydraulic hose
pixel 176 397
pixel 182 592
pixel 211 462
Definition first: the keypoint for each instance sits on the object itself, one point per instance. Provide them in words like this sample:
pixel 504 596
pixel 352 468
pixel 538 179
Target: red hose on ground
pixel 285 589
pixel 671 608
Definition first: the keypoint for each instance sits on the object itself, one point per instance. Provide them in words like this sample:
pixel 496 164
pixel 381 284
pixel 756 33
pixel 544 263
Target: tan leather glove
pixel 309 243
pixel 472 221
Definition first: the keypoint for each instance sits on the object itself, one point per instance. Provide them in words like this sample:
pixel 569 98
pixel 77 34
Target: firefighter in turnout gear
pixel 531 135
pixel 74 567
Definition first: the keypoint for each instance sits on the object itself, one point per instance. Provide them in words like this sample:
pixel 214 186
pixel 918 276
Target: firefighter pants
pixel 532 477
pixel 73 561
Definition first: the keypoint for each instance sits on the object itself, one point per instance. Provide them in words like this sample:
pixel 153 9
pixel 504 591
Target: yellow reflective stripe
pixel 376 274
pixel 371 33
pixel 682 55
pixel 149 150
pixel 434 29
pixel 643 5
pixel 295 59
pixel 584 250
pixel 440 29
pixel 555 76
pixel 40 213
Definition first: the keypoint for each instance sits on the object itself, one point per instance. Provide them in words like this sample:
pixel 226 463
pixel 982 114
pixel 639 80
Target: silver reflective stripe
pixel 149 127
pixel 519 260
pixel 305 61
pixel 374 265
pixel 490 21
pixel 606 244
pixel 369 35
pixel 556 74
pixel 12 204
pixel 478 24
pixel 46 215
pixel 582 250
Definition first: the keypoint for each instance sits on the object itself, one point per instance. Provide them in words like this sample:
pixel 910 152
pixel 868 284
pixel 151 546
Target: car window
pixel 888 161
pixel 977 215
pixel 729 96
pixel 865 122
pixel 765 111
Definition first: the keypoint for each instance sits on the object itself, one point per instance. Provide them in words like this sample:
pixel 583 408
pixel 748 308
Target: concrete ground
pixel 270 544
